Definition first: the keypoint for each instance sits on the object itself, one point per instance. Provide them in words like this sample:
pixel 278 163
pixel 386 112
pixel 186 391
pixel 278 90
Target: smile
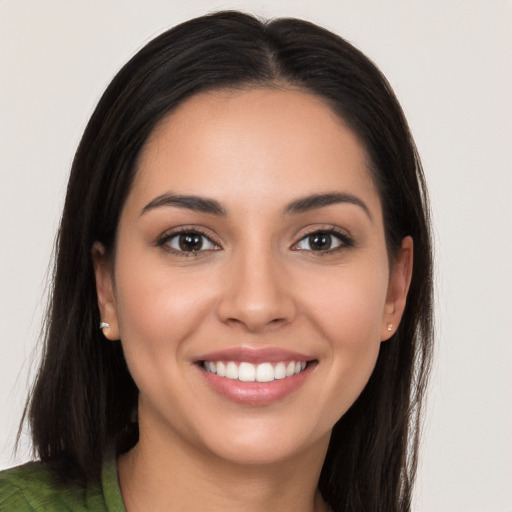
pixel 248 372
pixel 256 377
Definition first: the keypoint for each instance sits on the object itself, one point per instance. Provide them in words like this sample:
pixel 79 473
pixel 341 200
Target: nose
pixel 257 296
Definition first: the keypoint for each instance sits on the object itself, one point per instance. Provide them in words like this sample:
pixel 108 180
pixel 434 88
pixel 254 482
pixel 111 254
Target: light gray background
pixel 450 62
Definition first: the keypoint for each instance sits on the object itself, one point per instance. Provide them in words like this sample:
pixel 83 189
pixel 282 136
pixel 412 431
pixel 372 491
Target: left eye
pixel 190 242
pixel 321 241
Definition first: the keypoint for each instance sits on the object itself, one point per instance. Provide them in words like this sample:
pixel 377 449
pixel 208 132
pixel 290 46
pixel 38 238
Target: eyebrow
pixel 199 204
pixel 305 204
pixel 213 207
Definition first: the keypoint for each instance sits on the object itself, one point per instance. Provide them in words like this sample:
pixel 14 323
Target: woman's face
pixel 251 286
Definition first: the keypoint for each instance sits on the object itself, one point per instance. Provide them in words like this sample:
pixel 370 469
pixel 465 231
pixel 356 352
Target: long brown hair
pixel 83 398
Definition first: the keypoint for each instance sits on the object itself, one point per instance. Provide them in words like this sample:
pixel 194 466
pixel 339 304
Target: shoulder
pixel 33 487
pixel 23 488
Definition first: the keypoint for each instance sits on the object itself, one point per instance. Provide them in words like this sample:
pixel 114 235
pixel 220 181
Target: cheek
pixel 348 305
pixel 157 308
pixel 159 312
pixel 346 311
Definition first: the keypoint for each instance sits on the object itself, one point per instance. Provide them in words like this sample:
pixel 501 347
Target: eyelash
pixel 344 240
pixel 164 240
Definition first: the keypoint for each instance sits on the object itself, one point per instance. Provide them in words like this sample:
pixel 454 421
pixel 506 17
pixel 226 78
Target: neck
pixel 170 475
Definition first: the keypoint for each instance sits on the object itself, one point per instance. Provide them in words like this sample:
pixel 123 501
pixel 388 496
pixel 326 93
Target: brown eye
pixel 188 242
pixel 323 241
pixel 320 241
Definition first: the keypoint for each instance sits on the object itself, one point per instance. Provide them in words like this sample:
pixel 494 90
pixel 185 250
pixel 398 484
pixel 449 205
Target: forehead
pixel 261 142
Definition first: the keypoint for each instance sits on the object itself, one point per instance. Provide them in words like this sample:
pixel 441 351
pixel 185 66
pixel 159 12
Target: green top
pixel 32 487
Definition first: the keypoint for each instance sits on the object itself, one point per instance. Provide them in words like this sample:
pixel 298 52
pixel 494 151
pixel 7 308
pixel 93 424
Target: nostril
pixel 256 304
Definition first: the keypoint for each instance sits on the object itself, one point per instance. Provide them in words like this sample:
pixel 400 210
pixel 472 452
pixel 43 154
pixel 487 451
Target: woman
pixel 246 220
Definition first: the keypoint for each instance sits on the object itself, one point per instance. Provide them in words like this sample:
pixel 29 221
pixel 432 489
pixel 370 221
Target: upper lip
pixel 254 355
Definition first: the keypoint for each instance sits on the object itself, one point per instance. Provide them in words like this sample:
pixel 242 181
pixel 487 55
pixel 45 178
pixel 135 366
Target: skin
pixel 259 283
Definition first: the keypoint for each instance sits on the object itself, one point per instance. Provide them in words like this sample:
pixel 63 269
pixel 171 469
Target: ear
pixel 398 287
pixel 105 291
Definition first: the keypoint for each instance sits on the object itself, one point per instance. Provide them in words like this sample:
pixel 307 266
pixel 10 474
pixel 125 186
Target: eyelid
pixel 346 240
pixel 162 240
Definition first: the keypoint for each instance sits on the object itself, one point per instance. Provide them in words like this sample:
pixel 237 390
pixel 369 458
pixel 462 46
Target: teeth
pixel 231 370
pixel 248 372
pixel 280 371
pixel 221 368
pixel 264 373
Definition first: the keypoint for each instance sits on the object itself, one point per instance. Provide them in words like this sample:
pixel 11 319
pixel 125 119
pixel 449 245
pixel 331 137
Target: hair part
pixel 83 399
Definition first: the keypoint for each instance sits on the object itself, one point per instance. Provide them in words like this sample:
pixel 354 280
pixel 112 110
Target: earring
pixel 390 327
pixel 104 324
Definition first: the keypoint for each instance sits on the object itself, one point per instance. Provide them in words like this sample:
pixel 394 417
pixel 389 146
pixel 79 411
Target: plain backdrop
pixel 450 63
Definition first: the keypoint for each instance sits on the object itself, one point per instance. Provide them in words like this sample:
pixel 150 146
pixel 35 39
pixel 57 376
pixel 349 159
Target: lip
pixel 254 356
pixel 255 393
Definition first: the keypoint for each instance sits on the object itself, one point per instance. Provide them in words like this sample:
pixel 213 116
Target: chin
pixel 264 444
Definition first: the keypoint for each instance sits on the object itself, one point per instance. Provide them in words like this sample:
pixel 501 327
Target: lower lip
pixel 256 393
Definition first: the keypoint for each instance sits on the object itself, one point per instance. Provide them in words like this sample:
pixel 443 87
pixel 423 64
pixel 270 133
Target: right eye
pixel 188 243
